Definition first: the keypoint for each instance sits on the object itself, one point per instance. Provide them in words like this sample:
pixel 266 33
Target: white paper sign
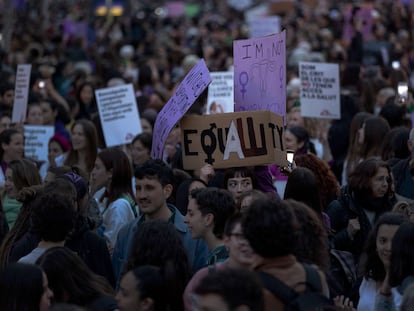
pixel 220 97
pixel 21 93
pixel 264 26
pixel 36 141
pixel 119 114
pixel 319 92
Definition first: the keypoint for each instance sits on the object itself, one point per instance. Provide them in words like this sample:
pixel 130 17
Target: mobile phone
pixel 41 84
pixel 289 157
pixel 402 92
pixel 395 64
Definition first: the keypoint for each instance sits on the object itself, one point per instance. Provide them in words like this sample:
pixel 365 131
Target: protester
pixel 140 148
pixel 24 287
pixel 183 193
pixel 11 148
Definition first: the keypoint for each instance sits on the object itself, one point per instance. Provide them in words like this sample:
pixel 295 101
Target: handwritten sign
pixel 264 26
pixel 194 83
pixel 319 92
pixel 260 74
pixel 220 96
pixel 36 140
pixel 21 93
pixel 232 139
pixel 118 114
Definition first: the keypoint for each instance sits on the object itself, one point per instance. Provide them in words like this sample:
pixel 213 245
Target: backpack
pixel 311 299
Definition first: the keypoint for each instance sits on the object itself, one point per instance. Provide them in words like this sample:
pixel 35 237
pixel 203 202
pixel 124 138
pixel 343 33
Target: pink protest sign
pixel 194 83
pixel 260 74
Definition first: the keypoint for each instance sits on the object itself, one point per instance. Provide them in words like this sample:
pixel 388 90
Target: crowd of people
pixel 97 228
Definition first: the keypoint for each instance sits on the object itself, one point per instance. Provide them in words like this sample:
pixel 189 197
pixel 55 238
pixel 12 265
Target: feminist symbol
pixel 243 76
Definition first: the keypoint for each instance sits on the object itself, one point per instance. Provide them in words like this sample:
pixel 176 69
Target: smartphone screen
pixel 403 92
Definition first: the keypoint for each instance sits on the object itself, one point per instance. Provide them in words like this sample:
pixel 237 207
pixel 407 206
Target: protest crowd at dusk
pixel 212 155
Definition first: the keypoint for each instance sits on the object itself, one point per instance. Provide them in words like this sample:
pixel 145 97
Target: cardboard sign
pixel 232 140
pixel 264 26
pixel 281 6
pixel 194 83
pixel 21 93
pixel 220 97
pixel 118 113
pixel 36 141
pixel 319 92
pixel 260 74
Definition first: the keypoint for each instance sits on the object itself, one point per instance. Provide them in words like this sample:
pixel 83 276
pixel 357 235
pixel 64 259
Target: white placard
pixel 118 114
pixel 264 26
pixel 319 91
pixel 239 5
pixel 36 141
pixel 220 96
pixel 21 93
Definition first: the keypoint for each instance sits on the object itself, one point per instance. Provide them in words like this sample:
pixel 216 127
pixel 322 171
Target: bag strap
pixel 313 279
pixel 131 203
pixel 277 287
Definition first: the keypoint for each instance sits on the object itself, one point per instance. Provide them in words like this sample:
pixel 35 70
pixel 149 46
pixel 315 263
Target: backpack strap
pixel 277 287
pixel 131 203
pixel 313 279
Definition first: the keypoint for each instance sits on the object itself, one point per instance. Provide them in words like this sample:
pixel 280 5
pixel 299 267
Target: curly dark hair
pixel 155 168
pixel 158 243
pixel 270 227
pixel 312 246
pixel 370 264
pixel 329 188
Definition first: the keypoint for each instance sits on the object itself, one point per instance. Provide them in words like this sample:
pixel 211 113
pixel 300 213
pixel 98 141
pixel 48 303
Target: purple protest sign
pixel 194 83
pixel 260 74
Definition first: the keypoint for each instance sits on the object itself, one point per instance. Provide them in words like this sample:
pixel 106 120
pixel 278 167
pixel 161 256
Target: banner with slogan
pixel 194 83
pixel 36 141
pixel 260 74
pixel 119 114
pixel 319 90
pixel 220 96
pixel 232 139
pixel 21 93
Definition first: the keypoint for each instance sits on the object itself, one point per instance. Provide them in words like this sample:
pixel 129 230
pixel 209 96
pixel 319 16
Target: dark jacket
pixel 347 207
pixel 399 171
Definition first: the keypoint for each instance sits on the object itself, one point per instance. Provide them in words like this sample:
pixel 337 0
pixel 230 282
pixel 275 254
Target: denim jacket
pixel 196 249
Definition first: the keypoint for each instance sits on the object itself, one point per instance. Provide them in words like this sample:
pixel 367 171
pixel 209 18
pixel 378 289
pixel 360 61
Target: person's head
pixel 208 210
pixel 371 135
pixel 54 171
pixel 312 242
pixel 239 180
pixel 11 145
pixel 270 225
pixel 328 184
pixel 372 178
pixel 297 138
pixel 303 186
pixel 81 187
pixel 19 174
pixel 70 279
pixel 183 192
pixel 85 94
pixel 154 185
pixel 395 144
pixel 238 247
pixel 143 288
pixel 113 171
pixel 402 254
pixel 141 148
pixel 57 146
pixel 377 254
pixel 84 136
pixel 7 94
pixel 34 114
pixel 49 111
pixel 5 122
pixel 54 216
pixel 294 117
pixel 247 198
pixel 230 290
pixel 24 287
